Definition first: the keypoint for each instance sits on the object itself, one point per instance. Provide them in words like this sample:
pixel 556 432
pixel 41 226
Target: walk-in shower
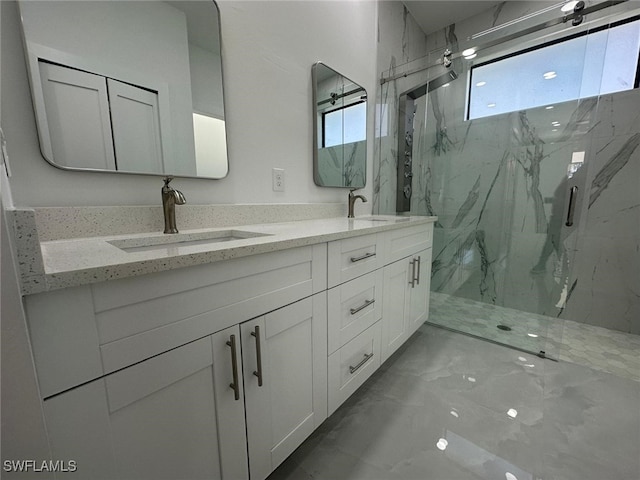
pixel 528 153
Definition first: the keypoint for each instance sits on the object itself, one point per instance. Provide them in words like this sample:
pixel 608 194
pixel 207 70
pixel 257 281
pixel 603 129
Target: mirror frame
pixel 34 55
pixel 316 114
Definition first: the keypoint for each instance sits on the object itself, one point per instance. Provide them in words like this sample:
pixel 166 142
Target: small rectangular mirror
pixel 340 126
pixel 127 86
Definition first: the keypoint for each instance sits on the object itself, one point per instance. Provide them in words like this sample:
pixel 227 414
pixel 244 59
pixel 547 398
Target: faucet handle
pixel 180 199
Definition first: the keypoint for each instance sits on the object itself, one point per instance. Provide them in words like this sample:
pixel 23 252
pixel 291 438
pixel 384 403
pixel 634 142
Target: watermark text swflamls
pixel 59 466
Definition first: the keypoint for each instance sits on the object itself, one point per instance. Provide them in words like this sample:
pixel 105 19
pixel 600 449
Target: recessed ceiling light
pixel 569 6
pixel 446 84
pixel 549 107
pixel 553 130
pixel 469 53
pixel 481 84
pixel 533 335
pixel 549 75
pixel 491 105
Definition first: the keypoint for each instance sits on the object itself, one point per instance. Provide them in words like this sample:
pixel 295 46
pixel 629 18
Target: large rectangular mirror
pixel 340 126
pixel 127 86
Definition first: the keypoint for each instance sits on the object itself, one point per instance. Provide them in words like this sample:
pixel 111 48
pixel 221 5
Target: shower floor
pixel 565 340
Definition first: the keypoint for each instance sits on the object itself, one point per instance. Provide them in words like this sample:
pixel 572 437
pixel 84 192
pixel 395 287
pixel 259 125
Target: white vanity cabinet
pixel 407 278
pixel 284 362
pixel 171 416
pixel 221 370
pixel 355 308
pixel 375 306
pixel 193 412
pixel 406 299
pixel 138 379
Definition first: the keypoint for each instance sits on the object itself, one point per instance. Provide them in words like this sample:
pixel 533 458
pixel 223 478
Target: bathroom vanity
pixel 216 352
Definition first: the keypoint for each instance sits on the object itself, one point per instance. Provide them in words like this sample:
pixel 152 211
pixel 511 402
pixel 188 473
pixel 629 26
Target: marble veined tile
pixel 595 347
pixel 618 114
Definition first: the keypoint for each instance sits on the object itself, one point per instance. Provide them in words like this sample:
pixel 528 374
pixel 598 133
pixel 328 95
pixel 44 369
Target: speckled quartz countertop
pixel 79 261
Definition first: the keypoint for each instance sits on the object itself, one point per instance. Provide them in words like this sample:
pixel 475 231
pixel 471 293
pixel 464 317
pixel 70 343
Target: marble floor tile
pixel 448 406
pixel 598 348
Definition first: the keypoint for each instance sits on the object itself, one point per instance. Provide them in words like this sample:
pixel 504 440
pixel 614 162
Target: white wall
pixel 268 48
pixel 22 430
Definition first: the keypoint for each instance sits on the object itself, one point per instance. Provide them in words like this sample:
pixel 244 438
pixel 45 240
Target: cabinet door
pixel 159 419
pixel 284 356
pixel 229 401
pixel 135 119
pixel 419 291
pixel 77 111
pixel 394 305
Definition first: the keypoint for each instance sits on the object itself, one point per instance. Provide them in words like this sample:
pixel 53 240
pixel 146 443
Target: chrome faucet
pixel 171 198
pixel 352 201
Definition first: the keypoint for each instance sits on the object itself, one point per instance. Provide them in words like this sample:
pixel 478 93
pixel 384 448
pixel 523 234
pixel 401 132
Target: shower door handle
pixel 572 206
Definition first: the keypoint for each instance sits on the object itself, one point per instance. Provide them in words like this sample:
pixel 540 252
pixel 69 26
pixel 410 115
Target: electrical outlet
pixel 278 179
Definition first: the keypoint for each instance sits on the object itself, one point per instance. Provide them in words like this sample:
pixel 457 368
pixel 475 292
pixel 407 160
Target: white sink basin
pixel 383 219
pixel 146 244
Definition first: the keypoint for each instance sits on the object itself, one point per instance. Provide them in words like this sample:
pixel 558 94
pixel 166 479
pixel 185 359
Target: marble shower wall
pixel 499 185
pixel 402 46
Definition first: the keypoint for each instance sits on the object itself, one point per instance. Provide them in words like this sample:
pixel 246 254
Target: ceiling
pixel 434 15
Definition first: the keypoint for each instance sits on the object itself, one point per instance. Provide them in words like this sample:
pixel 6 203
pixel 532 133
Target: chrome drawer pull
pixel 367 357
pixel 363 257
pixel 234 366
pixel 258 373
pixel 413 273
pixel 418 274
pixel 362 307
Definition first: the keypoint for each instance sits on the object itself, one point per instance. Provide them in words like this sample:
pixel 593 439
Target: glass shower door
pixel 511 190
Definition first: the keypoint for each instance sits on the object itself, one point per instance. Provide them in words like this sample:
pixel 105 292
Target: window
pixel 590 64
pixel 345 125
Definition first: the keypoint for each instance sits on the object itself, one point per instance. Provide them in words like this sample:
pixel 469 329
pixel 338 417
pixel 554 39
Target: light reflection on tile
pixel 418 417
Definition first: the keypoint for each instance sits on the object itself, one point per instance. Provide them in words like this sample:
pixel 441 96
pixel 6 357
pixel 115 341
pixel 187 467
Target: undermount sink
pixel 146 244
pixel 380 219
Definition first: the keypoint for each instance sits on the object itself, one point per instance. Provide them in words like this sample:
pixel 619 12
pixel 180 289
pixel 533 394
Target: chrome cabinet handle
pixel 234 366
pixel 363 257
pixel 413 273
pixel 258 373
pixel 418 273
pixel 367 357
pixel 572 205
pixel 363 306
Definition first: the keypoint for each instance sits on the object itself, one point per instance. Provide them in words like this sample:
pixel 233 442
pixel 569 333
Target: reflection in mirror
pixel 127 86
pixel 340 123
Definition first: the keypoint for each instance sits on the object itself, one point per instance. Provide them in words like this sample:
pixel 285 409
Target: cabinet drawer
pixel 406 241
pixel 352 257
pixel 353 307
pixel 351 365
